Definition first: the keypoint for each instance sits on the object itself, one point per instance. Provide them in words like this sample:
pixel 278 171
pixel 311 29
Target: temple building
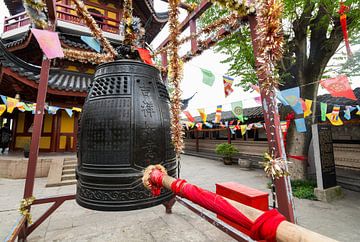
pixel 20 61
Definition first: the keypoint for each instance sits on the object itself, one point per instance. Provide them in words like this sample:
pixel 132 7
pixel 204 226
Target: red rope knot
pixel 177 186
pixel 266 225
pixel 153 177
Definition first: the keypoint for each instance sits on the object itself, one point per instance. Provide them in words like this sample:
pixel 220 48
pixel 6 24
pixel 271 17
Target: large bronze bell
pixel 124 127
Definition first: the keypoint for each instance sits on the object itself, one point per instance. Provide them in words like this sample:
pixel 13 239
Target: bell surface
pixel 124 127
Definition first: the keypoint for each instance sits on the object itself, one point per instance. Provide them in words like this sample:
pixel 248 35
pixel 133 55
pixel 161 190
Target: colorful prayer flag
pixel 209 125
pixel 77 109
pixel 338 87
pixel 358 110
pixel 334 116
pixel 189 116
pixel 347 111
pixel 283 126
pixel 308 104
pixel 203 114
pixel 208 77
pixel 292 97
pixel 237 109
pixel 218 114
pixel 323 107
pixel 91 42
pixel 250 126
pixel 11 104
pixel 300 125
pixel 243 129
pixel 20 106
pixel 199 126
pixel 52 109
pixel 228 81
pixel 2 108
pixel 49 43
pixel 258 125
pixel 145 56
pixel 69 112
pixel 280 97
pixel 3 98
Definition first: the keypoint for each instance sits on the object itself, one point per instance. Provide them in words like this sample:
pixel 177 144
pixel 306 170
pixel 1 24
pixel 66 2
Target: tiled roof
pixel 58 79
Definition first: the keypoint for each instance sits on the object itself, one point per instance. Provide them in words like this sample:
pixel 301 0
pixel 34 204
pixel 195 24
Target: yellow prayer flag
pixel 11 104
pixel 334 121
pixel 243 129
pixel 203 115
pixel 77 109
pixel 2 108
pixel 308 104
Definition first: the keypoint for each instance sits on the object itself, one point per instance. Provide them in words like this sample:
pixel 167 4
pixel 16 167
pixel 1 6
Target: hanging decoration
pixel 145 56
pixel 342 11
pixel 82 11
pixel 49 43
pixel 24 208
pixel 77 109
pixel 87 56
pixel 358 109
pixel 243 129
pixel 270 40
pixel 35 9
pixel 243 8
pixel 347 112
pixel 2 109
pixel 334 116
pixel 339 87
pixel 307 110
pixel 292 97
pixel 199 126
pixel 208 77
pixel 228 81
pixel 300 125
pixel 11 104
pixel 323 109
pixel 218 114
pixel 21 106
pixel 203 114
pixel 3 98
pixel 52 110
pixel 275 168
pixel 175 76
pixel 69 112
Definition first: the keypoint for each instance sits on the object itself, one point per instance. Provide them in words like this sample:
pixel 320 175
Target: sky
pixel 207 97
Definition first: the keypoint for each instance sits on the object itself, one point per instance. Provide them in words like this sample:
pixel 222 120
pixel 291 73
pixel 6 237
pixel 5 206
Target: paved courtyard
pixel 339 220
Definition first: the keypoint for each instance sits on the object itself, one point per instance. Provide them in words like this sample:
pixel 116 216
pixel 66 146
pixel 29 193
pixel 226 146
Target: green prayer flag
pixel 323 107
pixel 237 109
pixel 208 77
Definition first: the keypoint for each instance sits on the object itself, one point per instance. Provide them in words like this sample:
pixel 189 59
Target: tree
pixel 312 34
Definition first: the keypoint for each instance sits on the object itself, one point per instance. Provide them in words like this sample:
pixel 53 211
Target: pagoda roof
pixel 59 79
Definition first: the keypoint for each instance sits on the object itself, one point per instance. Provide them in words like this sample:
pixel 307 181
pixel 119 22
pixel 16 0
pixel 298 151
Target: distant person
pixel 5 137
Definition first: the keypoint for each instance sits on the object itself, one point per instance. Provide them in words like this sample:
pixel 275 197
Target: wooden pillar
pixel 274 135
pixel 194 45
pixel 229 135
pixel 197 140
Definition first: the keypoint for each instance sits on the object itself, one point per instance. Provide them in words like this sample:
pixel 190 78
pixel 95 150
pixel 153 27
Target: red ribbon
pixel 297 157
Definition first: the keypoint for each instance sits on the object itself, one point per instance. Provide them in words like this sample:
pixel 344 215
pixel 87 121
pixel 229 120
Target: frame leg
pixel 169 204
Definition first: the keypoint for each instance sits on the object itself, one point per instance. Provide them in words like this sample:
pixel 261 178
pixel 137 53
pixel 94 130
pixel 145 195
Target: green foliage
pixel 303 189
pixel 226 150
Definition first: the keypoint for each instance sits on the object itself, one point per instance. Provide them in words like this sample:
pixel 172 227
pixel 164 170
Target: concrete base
pixel 17 168
pixel 329 194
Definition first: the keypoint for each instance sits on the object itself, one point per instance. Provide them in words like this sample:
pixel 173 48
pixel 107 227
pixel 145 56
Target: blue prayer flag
pixel 300 125
pixel 292 97
pixel 92 42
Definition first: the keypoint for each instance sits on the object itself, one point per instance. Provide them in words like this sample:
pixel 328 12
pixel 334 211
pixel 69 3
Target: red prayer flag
pixel 342 11
pixel 338 87
pixel 49 43
pixel 189 116
pixel 145 56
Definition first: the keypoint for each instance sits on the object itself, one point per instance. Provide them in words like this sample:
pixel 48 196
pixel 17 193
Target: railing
pixel 66 13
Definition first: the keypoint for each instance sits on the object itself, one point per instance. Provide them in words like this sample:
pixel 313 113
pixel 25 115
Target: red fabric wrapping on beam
pixel 264 227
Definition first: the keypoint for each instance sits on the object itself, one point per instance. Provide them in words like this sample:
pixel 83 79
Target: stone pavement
pixel 339 220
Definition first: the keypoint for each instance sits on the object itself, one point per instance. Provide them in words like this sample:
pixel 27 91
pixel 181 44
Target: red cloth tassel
pixel 264 227
pixel 342 11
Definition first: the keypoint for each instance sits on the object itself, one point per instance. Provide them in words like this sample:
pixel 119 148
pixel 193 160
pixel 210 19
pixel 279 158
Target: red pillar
pixel 274 137
pixel 36 134
pixel 194 46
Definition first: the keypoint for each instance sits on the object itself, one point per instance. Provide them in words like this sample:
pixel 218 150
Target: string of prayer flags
pixel 342 11
pixel 69 112
pixel 3 98
pixel 307 110
pixel 2 108
pixel 145 56
pixel 334 116
pixel 323 108
pixel 49 43
pixel 218 114
pixel 228 81
pixel 189 116
pixel 91 42
pixel 237 109
pixel 339 87
pixel 300 125
pixel 208 77
pixel 347 112
pixel 203 114
pixel 292 97
pixel 11 104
